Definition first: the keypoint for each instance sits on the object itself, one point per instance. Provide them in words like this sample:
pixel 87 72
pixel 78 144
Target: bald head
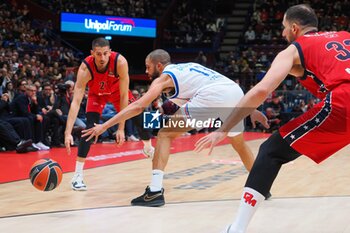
pixel 159 55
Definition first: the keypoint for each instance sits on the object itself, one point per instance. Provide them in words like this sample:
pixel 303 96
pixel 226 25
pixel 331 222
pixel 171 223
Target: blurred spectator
pixel 62 105
pixel 273 120
pixel 46 101
pixel 249 35
pixel 22 125
pixel 201 59
pixel 26 105
pixel 10 140
pixel 9 89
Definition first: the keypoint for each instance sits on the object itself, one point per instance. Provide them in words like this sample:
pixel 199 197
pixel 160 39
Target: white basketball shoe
pixel 78 183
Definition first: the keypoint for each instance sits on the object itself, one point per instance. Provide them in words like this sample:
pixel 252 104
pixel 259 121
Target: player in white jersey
pixel 202 94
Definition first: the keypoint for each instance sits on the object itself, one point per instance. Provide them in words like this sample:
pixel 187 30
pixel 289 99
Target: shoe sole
pixel 79 189
pixel 150 204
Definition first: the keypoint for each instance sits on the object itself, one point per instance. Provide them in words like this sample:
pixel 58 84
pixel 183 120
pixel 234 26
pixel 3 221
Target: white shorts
pixel 216 102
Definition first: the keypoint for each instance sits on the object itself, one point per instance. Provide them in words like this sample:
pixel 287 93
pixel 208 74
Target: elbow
pixel 262 93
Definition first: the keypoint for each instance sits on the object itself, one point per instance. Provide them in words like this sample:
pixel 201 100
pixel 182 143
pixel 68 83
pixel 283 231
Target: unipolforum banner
pixel 108 25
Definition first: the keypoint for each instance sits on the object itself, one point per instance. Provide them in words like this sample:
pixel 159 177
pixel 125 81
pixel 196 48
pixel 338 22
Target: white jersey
pixel 204 94
pixel 192 78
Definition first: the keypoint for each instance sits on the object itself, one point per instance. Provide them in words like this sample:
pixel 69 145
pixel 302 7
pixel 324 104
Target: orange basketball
pixel 45 174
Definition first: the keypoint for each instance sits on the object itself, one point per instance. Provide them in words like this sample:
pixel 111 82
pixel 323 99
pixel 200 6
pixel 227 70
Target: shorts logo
pixel 152 120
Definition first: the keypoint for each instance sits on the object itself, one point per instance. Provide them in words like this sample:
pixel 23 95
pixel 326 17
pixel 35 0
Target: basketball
pixel 45 174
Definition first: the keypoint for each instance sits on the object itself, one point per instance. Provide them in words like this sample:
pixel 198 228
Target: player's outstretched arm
pixel 133 109
pixel 280 68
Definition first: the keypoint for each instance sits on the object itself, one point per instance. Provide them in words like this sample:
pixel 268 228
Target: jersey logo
pixel 110 74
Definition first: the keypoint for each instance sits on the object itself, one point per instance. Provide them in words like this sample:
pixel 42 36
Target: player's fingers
pixel 211 149
pixel 90 137
pixel 201 145
pixel 95 141
pixel 86 132
pixel 253 124
pixel 200 141
pixel 68 148
pixel 266 124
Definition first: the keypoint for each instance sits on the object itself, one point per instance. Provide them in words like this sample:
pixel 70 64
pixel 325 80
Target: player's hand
pixel 68 141
pixel 95 131
pixel 209 141
pixel 120 137
pixel 258 116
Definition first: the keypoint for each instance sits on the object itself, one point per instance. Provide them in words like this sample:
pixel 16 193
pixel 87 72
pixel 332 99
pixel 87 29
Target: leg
pixel 273 153
pixel 11 140
pixel 153 195
pixel 83 150
pixel 39 135
pixel 8 135
pixel 145 135
pixel 84 146
pixel 238 143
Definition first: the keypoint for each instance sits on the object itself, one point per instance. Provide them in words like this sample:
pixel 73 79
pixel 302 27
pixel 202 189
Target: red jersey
pixel 325 128
pixel 104 87
pixel 104 83
pixel 325 57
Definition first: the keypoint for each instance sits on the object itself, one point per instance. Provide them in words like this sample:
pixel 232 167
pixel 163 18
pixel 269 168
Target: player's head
pixel 298 20
pixel 156 61
pixel 101 51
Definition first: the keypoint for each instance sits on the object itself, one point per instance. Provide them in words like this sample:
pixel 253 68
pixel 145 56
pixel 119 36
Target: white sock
pixel 79 167
pixel 147 144
pixel 250 201
pixel 157 180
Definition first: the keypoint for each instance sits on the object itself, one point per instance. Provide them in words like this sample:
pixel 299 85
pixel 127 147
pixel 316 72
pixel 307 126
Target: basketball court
pixel 202 193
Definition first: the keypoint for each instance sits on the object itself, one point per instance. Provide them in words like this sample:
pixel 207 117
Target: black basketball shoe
pixel 151 199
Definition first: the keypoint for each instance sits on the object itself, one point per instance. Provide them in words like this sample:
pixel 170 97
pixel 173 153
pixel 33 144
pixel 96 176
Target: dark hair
pixel 159 55
pixel 302 14
pixel 46 84
pixel 100 42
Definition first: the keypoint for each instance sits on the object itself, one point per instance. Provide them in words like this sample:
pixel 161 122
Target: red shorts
pixel 324 129
pixel 96 103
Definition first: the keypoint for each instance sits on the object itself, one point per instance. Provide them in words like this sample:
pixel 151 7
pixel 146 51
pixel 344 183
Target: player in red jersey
pixel 106 74
pixel 321 62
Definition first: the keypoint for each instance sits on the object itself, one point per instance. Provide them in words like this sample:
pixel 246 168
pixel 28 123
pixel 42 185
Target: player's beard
pixel 155 75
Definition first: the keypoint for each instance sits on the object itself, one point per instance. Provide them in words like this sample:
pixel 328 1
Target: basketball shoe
pixel 151 199
pixel 78 183
pixel 148 153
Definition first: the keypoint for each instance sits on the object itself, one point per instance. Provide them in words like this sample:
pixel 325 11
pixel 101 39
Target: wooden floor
pixel 202 195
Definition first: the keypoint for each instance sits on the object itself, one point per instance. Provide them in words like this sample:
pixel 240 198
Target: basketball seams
pixel 39 165
pixel 45 174
pixel 44 169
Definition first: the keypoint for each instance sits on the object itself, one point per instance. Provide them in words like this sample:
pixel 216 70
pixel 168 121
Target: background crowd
pixel 38 70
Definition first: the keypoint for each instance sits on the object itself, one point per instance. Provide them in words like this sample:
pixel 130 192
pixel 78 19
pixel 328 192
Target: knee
pixel 276 150
pixel 163 134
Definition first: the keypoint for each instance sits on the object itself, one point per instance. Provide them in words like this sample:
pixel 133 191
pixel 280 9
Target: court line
pixel 171 203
